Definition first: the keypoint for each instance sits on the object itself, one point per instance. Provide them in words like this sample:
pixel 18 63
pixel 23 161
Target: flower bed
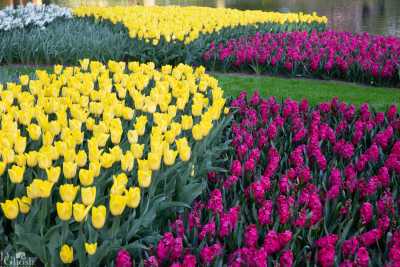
pixel 163 35
pixel 306 187
pixel 186 24
pixel 91 156
pixel 331 55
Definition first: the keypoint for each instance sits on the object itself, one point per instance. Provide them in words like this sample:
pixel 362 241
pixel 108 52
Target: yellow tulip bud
pixel 10 209
pixel 64 210
pixel 88 195
pixel 68 192
pixel 86 177
pixel 67 254
pixel 24 204
pixel 34 131
pixel 99 216
pixel 69 169
pixel 117 204
pixel 16 174
pixel 84 63
pixel 133 197
pixel 53 174
pixel 144 178
pixel 91 248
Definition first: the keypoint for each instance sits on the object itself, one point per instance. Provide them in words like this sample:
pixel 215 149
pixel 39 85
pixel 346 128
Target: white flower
pixel 31 15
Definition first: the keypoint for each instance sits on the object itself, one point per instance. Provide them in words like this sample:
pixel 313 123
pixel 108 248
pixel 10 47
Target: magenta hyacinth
pixel 123 259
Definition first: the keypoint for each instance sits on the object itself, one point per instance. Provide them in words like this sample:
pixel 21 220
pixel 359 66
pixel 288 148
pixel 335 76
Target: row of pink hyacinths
pixel 305 186
pixel 329 54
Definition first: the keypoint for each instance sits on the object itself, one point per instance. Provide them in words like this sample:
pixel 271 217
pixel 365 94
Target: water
pixel 374 16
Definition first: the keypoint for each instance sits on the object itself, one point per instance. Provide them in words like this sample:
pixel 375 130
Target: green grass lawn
pixel 314 90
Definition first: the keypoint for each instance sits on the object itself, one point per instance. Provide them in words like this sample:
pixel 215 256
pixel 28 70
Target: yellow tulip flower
pixel 99 216
pixel 16 174
pixel 88 195
pixel 3 166
pixel 10 209
pixel 20 144
pixel 169 157
pixel 144 178
pixel 34 131
pixel 117 204
pixel 81 158
pixel 127 161
pixel 67 254
pixel 64 210
pixel 69 169
pixel 133 197
pixel 90 248
pixel 24 204
pixel 86 177
pixel 53 174
pixel 80 211
pixel 68 192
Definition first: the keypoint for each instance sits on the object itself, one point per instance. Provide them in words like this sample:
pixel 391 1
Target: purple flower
pixel 123 259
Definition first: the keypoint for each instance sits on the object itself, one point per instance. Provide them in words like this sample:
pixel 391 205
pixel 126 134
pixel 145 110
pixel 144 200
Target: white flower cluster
pixel 31 15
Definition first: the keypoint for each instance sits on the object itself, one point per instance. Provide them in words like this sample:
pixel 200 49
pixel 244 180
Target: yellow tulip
pixel 34 131
pixel 99 216
pixel 80 211
pixel 88 195
pixel 197 132
pixel 137 150
pixel 20 144
pixel 107 160
pixel 84 63
pixel 81 158
pixel 53 174
pixel 154 160
pixel 187 122
pixel 64 210
pixel 20 160
pixel 86 177
pixel 16 174
pixel 31 158
pixel 184 153
pixel 69 169
pixel 10 209
pixel 117 204
pixel 44 161
pixel 68 192
pixel 95 167
pixel 133 197
pixel 127 161
pixel 133 136
pixel 24 204
pixel 144 178
pixel 24 79
pixel 67 254
pixel 91 248
pixel 169 157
